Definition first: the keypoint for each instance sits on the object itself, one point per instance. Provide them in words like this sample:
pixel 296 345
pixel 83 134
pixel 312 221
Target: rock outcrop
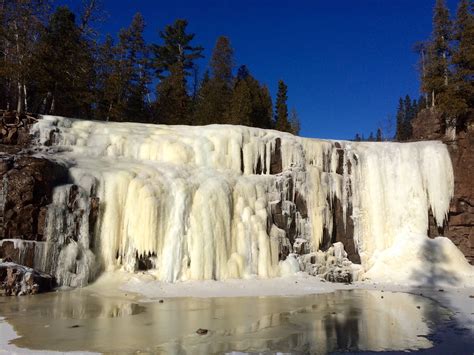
pixel 27 182
pixel 429 125
pixel 18 280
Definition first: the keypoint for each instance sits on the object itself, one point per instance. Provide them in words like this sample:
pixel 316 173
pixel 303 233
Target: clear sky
pixel 345 62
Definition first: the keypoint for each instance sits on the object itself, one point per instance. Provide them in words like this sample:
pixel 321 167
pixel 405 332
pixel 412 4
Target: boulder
pixel 19 280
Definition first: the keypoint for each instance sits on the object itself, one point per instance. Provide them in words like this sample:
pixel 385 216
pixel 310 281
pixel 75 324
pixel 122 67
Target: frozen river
pixel 357 320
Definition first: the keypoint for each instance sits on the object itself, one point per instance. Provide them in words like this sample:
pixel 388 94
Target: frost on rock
pixel 219 202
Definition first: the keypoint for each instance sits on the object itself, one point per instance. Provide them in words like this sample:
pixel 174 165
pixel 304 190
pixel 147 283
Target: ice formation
pixel 199 202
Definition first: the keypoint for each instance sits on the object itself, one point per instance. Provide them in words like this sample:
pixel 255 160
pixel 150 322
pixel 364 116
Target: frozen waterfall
pixel 220 202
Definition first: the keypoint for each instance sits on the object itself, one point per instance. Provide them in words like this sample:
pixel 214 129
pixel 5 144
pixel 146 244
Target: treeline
pixel 53 63
pixel 446 73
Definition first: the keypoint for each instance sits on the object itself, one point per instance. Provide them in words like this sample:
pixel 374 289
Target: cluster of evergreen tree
pixel 52 63
pixel 371 138
pixel 406 112
pixel 447 62
pixel 447 72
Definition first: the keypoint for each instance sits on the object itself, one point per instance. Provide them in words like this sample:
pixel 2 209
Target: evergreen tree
pixel 371 137
pixel 124 75
pixel 174 60
pixel 357 137
pixel 64 64
pixel 176 48
pixel 250 103
pixel 173 103
pixel 410 112
pixel 215 98
pixel 437 67
pixel 379 137
pixel 281 108
pixel 105 92
pixel 401 121
pixel 459 95
pixel 241 107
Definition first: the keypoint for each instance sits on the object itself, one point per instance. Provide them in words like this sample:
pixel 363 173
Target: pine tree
pixel 173 100
pixel 463 57
pixel 174 61
pixel 357 137
pixel 410 112
pixel 136 65
pixel 105 92
pixel 251 103
pixel 281 108
pixel 437 68
pixel 64 64
pixel 460 93
pixel 371 137
pixel 266 116
pixel 124 75
pixel 379 137
pixel 214 103
pixel 241 107
pixel 401 120
pixel 176 48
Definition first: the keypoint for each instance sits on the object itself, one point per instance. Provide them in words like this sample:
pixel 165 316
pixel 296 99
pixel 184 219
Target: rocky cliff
pixel 429 125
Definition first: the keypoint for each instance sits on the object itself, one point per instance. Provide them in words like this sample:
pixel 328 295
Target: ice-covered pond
pixel 358 320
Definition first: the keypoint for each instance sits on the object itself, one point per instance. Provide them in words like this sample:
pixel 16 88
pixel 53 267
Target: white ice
pixel 197 199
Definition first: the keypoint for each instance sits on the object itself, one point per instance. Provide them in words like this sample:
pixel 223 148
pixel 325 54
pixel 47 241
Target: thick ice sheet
pixel 197 199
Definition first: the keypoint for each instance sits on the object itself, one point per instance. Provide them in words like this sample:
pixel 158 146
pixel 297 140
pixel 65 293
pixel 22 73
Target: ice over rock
pixel 218 202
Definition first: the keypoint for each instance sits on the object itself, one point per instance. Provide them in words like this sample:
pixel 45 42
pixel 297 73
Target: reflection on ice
pixel 345 320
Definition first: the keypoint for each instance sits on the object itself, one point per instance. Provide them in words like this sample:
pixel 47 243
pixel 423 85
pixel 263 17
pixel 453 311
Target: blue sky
pixel 345 62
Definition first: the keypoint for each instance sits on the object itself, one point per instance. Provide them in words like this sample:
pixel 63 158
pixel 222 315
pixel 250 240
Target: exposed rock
pixel 202 331
pixel 460 225
pixel 276 159
pixel 26 189
pixel 15 128
pixel 18 280
pixel 332 265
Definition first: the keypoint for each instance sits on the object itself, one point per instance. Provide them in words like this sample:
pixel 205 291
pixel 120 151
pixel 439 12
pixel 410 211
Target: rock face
pixel 460 226
pixel 27 185
pixel 18 280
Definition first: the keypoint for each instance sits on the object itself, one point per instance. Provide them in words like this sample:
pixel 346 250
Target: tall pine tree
pixel 436 78
pixel 173 62
pixel 216 94
pixel 124 75
pixel 64 64
pixel 251 103
pixel 281 108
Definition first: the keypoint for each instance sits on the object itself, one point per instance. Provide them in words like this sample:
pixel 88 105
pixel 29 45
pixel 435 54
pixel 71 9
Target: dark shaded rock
pixel 338 275
pixel 344 232
pixel 27 188
pixel 18 280
pixel 202 331
pixel 276 164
